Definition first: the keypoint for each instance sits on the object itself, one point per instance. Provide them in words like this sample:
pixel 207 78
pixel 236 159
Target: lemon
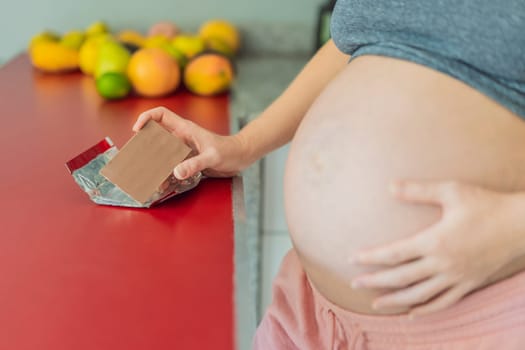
pixel 43 36
pixel 156 41
pixel 223 30
pixel 189 45
pixel 218 45
pixel 73 39
pixel 113 86
pixel 96 28
pixel 50 56
pixel 88 53
pixel 129 36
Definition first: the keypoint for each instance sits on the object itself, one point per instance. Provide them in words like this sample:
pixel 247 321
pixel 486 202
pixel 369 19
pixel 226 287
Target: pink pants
pixel 300 318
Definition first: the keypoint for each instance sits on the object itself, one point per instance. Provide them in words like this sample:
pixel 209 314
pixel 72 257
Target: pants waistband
pixel 498 306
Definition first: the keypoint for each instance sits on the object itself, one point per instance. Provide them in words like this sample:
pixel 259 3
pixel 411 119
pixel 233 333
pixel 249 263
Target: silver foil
pixel 102 191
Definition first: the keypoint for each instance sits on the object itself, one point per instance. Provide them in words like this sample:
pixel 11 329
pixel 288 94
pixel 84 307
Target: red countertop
pixel 75 275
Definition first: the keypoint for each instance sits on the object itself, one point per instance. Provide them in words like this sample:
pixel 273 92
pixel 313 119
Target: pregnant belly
pixel 380 120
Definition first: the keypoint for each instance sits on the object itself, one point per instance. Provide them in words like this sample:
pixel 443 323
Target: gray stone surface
pixel 282 38
pixel 260 79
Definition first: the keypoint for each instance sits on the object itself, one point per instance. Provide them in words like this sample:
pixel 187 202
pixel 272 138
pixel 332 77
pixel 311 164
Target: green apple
pixel 113 57
pixel 181 59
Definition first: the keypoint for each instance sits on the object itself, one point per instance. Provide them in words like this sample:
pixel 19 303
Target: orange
pixel 153 72
pixel 208 74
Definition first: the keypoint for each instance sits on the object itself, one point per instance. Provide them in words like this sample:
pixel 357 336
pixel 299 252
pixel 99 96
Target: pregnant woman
pixel 430 91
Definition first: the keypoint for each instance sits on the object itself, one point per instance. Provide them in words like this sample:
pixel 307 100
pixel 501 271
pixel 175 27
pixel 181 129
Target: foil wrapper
pixel 85 169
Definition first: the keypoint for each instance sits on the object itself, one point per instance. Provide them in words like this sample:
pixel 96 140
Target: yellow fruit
pixel 113 85
pixel 50 56
pixel 164 28
pixel 153 72
pixel 133 37
pixel 96 28
pixel 217 45
pixel 222 30
pixel 209 74
pixel 73 39
pixel 156 41
pixel 189 45
pixel 88 53
pixel 43 36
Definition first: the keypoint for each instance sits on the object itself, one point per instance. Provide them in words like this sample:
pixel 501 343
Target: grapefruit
pixel 165 28
pixel 153 72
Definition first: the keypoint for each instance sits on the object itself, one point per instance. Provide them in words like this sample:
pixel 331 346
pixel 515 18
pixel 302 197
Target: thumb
pixel 191 166
pixel 428 192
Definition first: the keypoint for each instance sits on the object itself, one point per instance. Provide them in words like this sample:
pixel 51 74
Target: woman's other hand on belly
pixel 479 233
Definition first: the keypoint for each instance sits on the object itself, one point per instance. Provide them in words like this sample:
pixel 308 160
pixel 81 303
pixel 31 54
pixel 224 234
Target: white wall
pixel 20 19
pixel 275 240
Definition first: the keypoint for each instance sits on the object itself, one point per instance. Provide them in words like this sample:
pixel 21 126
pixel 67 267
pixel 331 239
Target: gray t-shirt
pixel 481 42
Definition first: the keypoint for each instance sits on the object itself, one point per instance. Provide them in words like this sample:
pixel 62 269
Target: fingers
pixel 392 254
pixel 162 115
pixel 416 294
pixel 193 165
pixel 443 301
pixel 397 277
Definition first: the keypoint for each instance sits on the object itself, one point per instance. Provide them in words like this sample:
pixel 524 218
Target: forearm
pixel 513 234
pixel 278 123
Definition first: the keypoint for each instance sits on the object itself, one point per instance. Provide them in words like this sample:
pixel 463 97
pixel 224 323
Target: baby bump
pixel 384 119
